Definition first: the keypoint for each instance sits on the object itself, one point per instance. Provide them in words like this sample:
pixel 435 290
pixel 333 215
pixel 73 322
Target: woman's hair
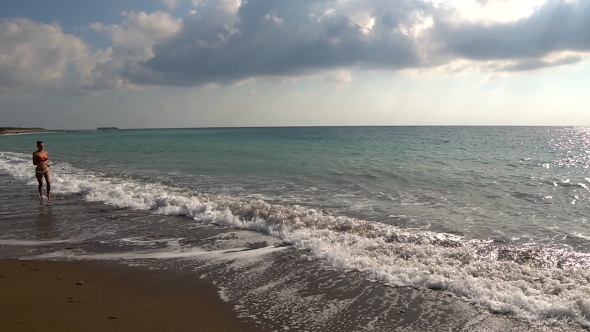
pixel 39 142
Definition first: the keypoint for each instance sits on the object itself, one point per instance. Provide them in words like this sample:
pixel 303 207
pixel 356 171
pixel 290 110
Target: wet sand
pixel 44 296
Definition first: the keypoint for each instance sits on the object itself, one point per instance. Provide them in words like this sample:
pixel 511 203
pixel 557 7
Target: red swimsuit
pixel 40 159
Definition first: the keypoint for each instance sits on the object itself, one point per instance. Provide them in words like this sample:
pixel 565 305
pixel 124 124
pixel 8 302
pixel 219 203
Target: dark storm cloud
pixel 555 26
pixel 282 38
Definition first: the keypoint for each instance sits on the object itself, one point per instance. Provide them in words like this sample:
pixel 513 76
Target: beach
pixel 355 234
pixel 313 166
pixel 15 131
pixel 99 296
pixel 44 296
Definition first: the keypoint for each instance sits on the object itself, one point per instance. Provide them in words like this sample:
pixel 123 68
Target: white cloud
pixel 491 11
pixel 97 26
pixel 172 4
pixel 132 41
pixel 139 31
pixel 34 56
pixel 339 77
pixel 156 26
pixel 231 6
pixel 364 20
pixel 272 16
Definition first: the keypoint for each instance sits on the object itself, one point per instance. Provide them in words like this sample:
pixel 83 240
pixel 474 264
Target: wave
pixel 539 284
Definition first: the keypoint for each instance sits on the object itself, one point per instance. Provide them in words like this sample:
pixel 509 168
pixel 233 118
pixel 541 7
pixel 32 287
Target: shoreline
pixel 19 131
pixel 45 296
pixel 41 295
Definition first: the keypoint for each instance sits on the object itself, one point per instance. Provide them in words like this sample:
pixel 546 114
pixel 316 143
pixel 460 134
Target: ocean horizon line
pixel 330 126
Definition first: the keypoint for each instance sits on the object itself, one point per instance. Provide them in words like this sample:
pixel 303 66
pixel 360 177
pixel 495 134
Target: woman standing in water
pixel 40 158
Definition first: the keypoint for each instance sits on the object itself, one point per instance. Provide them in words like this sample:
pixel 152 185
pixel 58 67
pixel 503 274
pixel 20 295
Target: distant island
pixel 107 128
pixel 19 130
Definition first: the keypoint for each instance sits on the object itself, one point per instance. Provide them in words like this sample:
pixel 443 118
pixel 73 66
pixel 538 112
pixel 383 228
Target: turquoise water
pixel 481 212
pixel 479 181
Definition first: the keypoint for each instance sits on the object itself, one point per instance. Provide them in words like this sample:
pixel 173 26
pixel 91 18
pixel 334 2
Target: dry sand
pixel 44 296
pixel 4 131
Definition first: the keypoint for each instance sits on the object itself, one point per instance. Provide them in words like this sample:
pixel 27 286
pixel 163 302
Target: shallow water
pixel 493 215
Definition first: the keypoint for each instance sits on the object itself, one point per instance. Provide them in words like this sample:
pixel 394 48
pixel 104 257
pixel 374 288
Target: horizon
pixel 53 130
pixel 259 63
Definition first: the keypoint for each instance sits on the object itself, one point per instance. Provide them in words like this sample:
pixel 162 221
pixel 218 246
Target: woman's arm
pixel 34 160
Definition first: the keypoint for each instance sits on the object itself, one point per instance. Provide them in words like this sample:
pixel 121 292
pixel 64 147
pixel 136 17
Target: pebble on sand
pixel 80 282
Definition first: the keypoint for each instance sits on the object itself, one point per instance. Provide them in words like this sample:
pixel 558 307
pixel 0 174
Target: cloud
pixel 547 62
pixel 141 28
pixel 339 77
pixel 232 41
pixel 131 42
pixel 494 11
pixel 235 40
pixel 38 58
pixel 555 26
pixel 172 4
pixel 34 57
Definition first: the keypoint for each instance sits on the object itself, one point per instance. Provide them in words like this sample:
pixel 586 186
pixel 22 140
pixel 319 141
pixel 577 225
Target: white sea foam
pixel 17 134
pixel 171 242
pixel 581 236
pixel 535 283
pixel 242 256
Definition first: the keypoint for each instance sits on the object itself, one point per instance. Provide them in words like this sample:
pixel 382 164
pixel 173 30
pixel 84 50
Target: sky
pixel 81 64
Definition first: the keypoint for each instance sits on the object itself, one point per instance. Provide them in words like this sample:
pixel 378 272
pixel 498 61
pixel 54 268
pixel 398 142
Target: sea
pixel 420 228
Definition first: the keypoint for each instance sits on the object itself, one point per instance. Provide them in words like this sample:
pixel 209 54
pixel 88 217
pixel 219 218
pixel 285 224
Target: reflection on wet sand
pixel 46 223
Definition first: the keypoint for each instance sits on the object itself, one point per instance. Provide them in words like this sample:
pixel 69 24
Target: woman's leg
pixel 40 181
pixel 48 181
